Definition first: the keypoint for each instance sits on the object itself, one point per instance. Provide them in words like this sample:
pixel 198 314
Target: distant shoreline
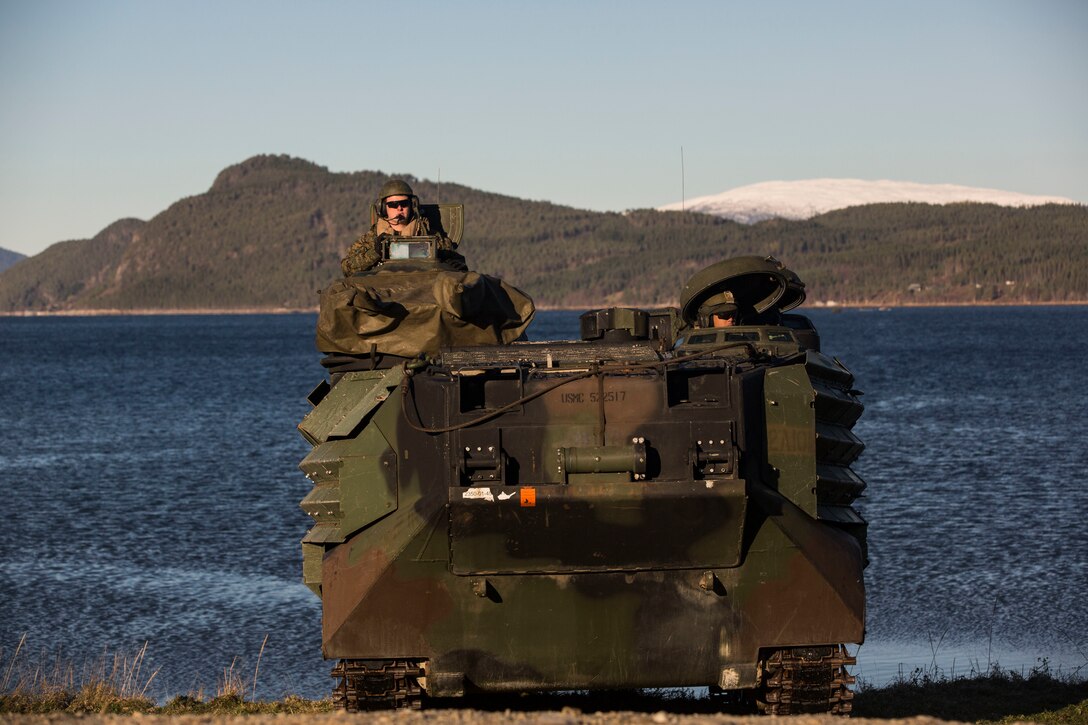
pixel 544 308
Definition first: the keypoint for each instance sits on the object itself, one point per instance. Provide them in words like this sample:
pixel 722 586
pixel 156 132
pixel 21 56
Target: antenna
pixel 439 184
pixel 683 194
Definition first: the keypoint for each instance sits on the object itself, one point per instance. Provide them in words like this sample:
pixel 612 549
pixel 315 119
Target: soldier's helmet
pixel 396 187
pixel 719 305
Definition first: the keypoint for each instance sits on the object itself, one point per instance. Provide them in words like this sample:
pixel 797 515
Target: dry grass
pixel 992 696
pixel 115 683
pixel 120 683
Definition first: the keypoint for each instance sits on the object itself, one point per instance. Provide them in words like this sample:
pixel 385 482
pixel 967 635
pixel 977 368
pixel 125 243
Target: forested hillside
pixel 271 230
pixel 8 258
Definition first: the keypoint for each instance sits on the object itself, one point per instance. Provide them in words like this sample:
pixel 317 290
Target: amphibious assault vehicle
pixel 664 503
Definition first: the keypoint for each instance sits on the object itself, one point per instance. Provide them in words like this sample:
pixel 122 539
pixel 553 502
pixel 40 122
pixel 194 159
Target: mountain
pixel 806 199
pixel 270 231
pixel 8 258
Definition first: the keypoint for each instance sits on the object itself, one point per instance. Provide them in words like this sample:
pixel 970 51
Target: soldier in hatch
pixel 398 216
pixel 719 311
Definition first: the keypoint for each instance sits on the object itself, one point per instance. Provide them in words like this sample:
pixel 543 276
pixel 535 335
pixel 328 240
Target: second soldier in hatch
pixel 398 216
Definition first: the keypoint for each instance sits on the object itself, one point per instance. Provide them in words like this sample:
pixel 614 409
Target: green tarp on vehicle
pixel 405 310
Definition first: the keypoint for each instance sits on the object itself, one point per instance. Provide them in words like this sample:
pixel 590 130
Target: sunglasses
pixel 402 204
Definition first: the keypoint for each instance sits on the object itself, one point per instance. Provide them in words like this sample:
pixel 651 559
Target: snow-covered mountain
pixel 804 199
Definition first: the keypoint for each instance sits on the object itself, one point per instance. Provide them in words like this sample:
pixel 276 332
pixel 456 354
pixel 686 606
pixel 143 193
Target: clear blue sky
pixel 112 108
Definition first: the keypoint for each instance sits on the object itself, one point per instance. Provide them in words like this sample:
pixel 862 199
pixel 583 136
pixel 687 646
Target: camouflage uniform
pixel 365 253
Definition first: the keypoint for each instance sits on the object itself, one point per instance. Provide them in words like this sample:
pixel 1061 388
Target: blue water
pixel 976 457
pixel 150 492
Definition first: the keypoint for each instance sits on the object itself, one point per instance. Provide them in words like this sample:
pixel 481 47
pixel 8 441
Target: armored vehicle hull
pixel 612 513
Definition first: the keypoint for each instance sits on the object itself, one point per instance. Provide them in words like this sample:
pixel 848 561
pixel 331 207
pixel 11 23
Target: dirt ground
pixel 567 716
